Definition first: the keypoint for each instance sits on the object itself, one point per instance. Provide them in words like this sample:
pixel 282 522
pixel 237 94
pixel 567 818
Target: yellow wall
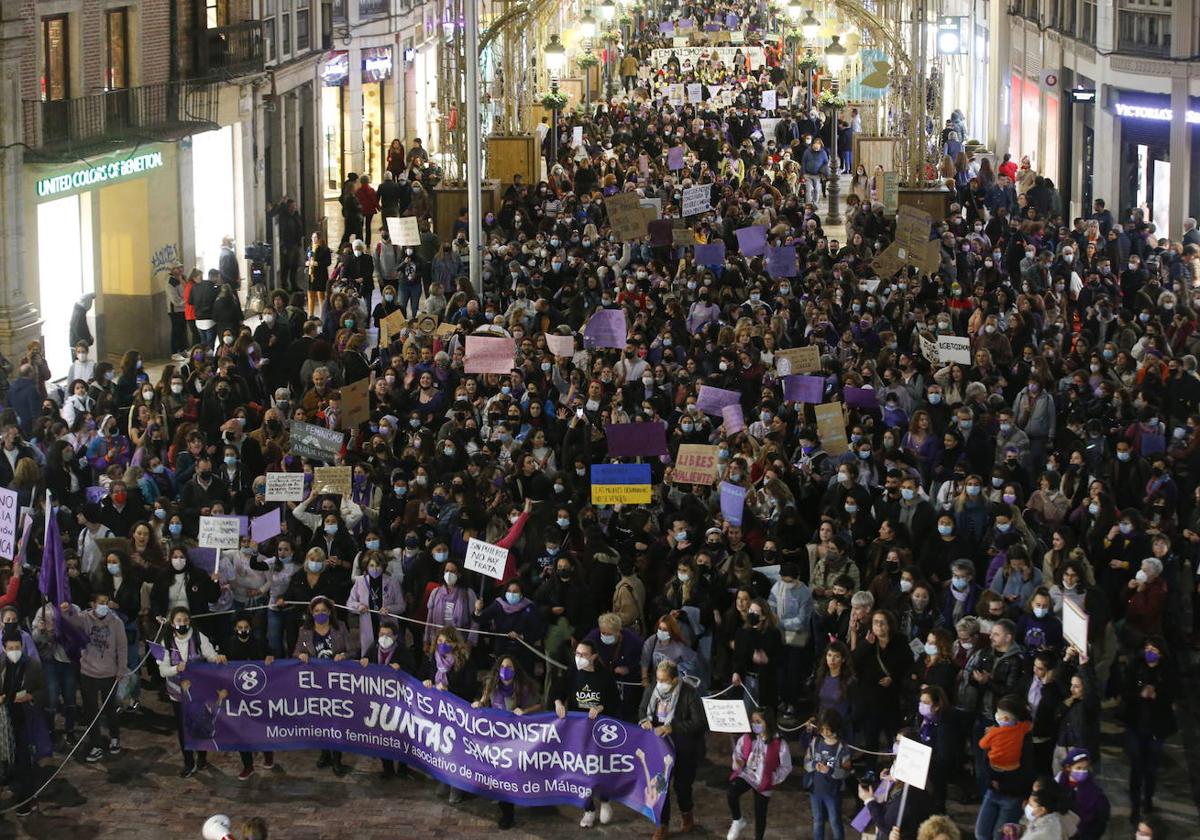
pixel 125 238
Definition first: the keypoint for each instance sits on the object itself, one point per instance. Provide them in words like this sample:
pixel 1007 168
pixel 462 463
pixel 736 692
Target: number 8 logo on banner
pixel 250 680
pixel 608 734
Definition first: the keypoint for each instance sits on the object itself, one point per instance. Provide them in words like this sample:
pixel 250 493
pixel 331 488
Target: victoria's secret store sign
pixel 92 175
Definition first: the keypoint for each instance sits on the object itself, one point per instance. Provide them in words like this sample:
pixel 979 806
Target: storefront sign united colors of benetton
pixel 92 175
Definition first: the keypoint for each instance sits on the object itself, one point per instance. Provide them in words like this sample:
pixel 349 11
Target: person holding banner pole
pixel 242 646
pixel 671 708
pixel 388 650
pixel 587 686
pixel 185 646
pixel 448 668
pixel 324 636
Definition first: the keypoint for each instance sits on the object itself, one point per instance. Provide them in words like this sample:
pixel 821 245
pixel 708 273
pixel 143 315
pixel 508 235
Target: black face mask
pixel 753 619
pixel 182 629
pixel 243 634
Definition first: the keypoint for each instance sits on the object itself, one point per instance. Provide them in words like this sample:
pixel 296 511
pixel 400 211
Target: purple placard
pixel 711 254
pixel 735 420
pixel 95 494
pixel 262 528
pixel 733 503
pixel 666 27
pixel 711 400
pixel 660 232
pixel 204 559
pixel 752 241
pixel 675 158
pixel 781 261
pixel 805 389
pixel 534 760
pixel 860 397
pixel 629 440
pixel 606 328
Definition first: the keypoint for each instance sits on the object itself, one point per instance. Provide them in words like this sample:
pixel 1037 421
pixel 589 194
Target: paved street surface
pixel 138 795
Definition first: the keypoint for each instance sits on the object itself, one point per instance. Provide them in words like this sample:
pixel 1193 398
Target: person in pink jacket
pixel 372 594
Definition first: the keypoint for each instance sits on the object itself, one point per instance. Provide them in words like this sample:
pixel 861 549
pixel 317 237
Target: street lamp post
pixel 556 58
pixel 608 10
pixel 587 28
pixel 835 57
pixel 810 26
pixel 794 8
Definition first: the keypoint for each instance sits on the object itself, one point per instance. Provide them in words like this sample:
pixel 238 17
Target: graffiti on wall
pixel 163 259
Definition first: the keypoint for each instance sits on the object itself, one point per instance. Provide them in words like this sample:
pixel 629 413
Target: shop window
pixel 302 36
pixel 56 63
pixel 117 32
pixel 269 38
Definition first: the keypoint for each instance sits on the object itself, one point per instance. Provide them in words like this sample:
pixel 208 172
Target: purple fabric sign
pixel 629 440
pixel 666 27
pixel 675 158
pixel 711 400
pixel 711 254
pixel 735 421
pixel 805 389
pixel 606 328
pixel 52 578
pixel 262 528
pixel 378 711
pixel 752 241
pixel 204 559
pixel 860 397
pixel 733 503
pixel 781 262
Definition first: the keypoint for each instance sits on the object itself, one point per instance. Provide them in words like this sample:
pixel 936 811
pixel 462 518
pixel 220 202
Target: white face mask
pixel 451 578
pixel 14 656
pixel 664 687
pixel 178 563
pixel 581 662
pixel 385 642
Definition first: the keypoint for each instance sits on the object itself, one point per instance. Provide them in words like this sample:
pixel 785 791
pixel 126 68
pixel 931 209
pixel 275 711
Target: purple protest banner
pixel 629 440
pixel 752 241
pixel 781 262
pixel 711 254
pixel 860 397
pixel 531 760
pixel 262 528
pixel 606 328
pixel 735 421
pixel 666 27
pixel 733 503
pixel 805 389
pixel 675 158
pixel 711 400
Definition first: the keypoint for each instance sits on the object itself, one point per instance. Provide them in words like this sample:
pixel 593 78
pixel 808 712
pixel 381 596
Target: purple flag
pixel 711 400
pixel 675 158
pixel 752 241
pixel 262 528
pixel 533 759
pixel 733 503
pixel 629 440
pixel 860 397
pixel 805 389
pixel 711 254
pixel 157 651
pixel 52 579
pixel 606 328
pixel 781 262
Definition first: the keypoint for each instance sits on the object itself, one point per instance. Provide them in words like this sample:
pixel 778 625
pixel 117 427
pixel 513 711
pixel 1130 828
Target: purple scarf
pixel 513 609
pixel 445 664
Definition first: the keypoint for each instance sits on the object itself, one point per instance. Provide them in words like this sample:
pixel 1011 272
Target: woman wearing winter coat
pixel 374 597
pixel 671 708
pixel 323 636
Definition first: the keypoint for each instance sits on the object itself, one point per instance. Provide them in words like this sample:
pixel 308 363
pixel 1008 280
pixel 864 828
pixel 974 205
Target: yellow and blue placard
pixel 620 484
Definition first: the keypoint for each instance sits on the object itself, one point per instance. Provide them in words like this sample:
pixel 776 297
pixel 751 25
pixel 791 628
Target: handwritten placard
pixel 285 487
pixel 485 558
pixel 726 715
pixel 335 480
pixel 219 532
pixel 695 463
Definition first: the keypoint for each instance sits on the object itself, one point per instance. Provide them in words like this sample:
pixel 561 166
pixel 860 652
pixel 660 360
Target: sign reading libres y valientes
pixel 378 711
pixel 91 175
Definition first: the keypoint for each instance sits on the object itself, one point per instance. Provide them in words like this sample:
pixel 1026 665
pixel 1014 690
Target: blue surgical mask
pixel 441 556
pixel 552 550
pixel 315 566
pixel 935 398
pixel 331 528
pixel 400 491
pixel 513 598
pixel 160 513
pixel 176 528
pixel 372 545
pixel 945 530
pixel 1040 612
pixel 960 583
pixel 114 569
pixel 907 493
pixel 1003 527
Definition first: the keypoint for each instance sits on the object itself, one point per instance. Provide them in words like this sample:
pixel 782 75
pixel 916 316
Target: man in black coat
pixel 14 450
pixel 121 509
pixel 80 332
pixel 291 242
pixel 203 297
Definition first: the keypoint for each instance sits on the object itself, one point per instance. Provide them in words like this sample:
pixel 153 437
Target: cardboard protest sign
pixel 768 100
pixel 695 463
pixel 632 440
pixel 486 354
pixel 752 240
pixel 562 346
pixel 403 231
pixel 711 400
pixel 606 328
pixel 912 762
pixel 219 532
pixel 831 427
pixel 391 325
pixel 338 480
pixel 929 349
pixel 697 200
pixel 683 237
pixel 285 487
pixel 726 715
pixel 485 558
pixel 356 403
pixel 626 217
pixel 9 515
pixel 695 93
pixel 621 484
pixel 953 348
pixel 797 360
pixel 314 442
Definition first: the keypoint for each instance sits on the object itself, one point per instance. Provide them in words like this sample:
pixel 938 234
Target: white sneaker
pixel 589 819
pixel 735 829
pixel 605 813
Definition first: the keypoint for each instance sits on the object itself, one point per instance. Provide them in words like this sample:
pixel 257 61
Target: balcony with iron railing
pixel 165 111
pixel 229 50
